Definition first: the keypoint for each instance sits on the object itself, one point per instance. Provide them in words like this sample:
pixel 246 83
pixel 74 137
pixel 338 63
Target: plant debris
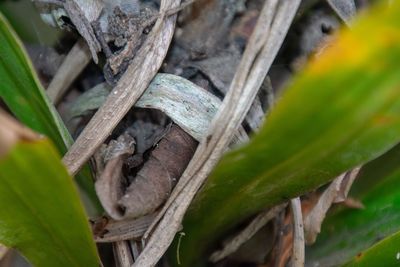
pixel 155 136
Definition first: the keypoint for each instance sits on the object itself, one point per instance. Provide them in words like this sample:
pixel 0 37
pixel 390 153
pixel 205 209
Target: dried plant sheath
pixel 155 181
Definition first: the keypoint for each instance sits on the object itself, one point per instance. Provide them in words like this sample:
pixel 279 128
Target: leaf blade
pixel 41 214
pixel 23 93
pixel 346 232
pixel 25 97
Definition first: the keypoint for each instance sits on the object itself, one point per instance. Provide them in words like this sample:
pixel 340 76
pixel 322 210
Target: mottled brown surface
pixel 155 180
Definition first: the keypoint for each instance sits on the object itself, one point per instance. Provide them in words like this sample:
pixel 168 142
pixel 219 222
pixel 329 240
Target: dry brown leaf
pixel 109 183
pixel 346 184
pixel 155 181
pixel 336 192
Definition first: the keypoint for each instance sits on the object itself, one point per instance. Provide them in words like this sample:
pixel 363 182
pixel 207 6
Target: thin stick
pixel 122 254
pixel 74 63
pixel 298 234
pixel 247 233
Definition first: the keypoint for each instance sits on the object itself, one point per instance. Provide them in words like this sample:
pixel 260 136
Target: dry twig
pixel 74 63
pixel 298 234
pixel 247 233
pixel 122 254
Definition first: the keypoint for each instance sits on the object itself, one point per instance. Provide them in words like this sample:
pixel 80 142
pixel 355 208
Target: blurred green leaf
pixel 23 93
pixel 342 111
pixel 25 97
pixel 41 214
pixel 384 253
pixel 347 232
pixel 25 19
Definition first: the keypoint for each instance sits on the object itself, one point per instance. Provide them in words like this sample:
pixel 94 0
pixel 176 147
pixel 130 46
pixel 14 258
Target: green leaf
pixel 26 21
pixel 342 111
pixel 21 90
pixel 347 232
pixel 41 214
pixel 25 97
pixel 384 253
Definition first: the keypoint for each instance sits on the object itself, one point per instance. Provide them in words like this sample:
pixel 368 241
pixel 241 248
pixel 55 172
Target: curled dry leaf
pixel 155 181
pixel 346 184
pixel 336 192
pixel 109 184
pixel 188 105
pixel 313 220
